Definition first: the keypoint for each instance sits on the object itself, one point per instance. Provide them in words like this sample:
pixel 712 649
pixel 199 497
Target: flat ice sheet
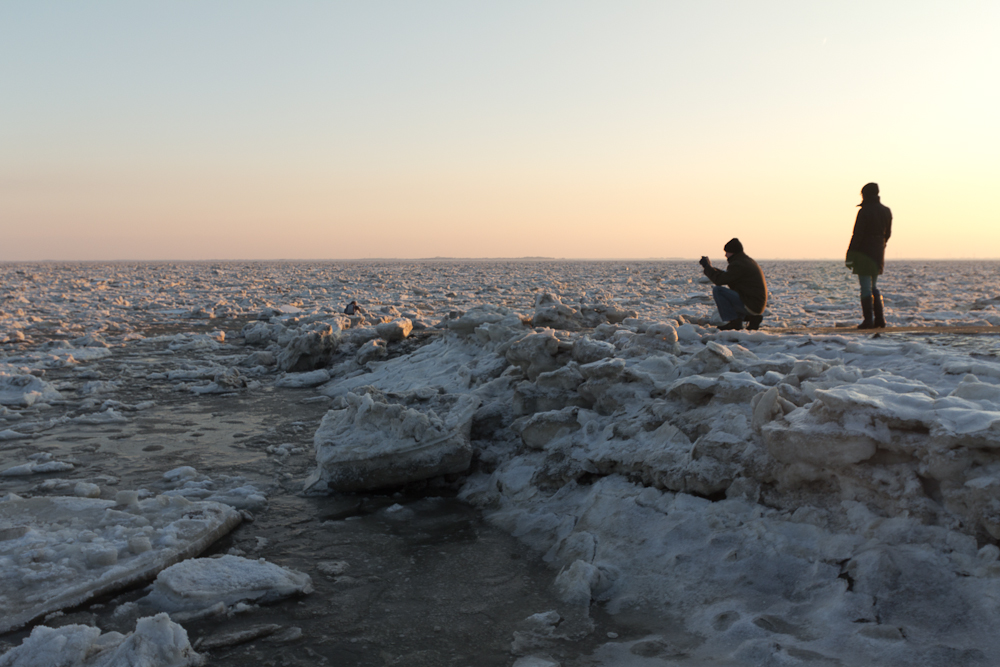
pixel 59 552
pixel 199 583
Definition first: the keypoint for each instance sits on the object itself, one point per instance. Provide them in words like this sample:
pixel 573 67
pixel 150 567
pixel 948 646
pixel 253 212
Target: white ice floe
pixel 199 584
pixel 234 491
pixel 58 552
pixel 303 380
pixel 395 330
pixel 180 474
pixel 225 382
pixel 106 416
pixel 66 357
pixel 41 466
pixel 156 642
pixel 443 363
pixel 371 441
pixel 25 390
pixel 308 350
pixel 550 311
pixel 99 387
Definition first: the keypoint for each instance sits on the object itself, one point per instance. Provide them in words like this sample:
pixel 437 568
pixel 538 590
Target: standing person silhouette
pixel 866 254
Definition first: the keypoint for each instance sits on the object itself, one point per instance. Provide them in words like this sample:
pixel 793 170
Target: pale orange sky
pixel 564 129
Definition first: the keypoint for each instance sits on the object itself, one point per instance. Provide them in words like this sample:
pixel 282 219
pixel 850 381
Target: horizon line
pixel 477 259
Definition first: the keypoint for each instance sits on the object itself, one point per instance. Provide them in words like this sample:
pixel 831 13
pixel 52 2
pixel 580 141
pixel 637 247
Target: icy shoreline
pixel 793 498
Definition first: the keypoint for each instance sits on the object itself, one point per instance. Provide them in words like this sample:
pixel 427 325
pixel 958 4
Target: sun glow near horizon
pixel 561 129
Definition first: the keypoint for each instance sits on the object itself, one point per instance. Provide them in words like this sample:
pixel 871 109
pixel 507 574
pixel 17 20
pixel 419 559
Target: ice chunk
pixel 587 350
pixel 542 427
pixel 394 331
pixel 233 491
pixel 199 583
pixel 37 467
pixel 156 642
pixel 309 350
pixel 25 390
pixel 369 443
pixel 180 474
pixel 727 387
pixel 478 316
pixel 372 350
pixel 224 382
pixel 87 490
pixel 970 388
pixel 108 416
pixel 443 363
pixel 551 312
pixel 537 353
pixel 579 582
pixel 303 380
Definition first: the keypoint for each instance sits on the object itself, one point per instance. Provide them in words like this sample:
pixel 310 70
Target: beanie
pixel 733 246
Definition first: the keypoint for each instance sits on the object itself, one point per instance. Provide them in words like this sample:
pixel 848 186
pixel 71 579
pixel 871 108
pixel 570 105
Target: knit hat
pixel 870 190
pixel 733 246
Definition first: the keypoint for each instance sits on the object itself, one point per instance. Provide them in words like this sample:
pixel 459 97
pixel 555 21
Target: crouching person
pixel 745 297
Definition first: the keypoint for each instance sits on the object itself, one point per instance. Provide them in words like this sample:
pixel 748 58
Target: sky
pixel 191 130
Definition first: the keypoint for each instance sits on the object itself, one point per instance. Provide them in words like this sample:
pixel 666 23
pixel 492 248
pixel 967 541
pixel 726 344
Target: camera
pixel 704 261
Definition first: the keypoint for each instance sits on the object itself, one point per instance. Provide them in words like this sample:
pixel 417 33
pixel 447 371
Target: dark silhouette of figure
pixel 352 308
pixel 866 254
pixel 746 296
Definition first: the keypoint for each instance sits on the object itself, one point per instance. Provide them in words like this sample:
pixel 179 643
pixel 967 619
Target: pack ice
pixel 821 498
pixel 771 499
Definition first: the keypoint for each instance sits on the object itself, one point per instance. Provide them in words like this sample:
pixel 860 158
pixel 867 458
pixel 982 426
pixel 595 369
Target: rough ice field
pixel 775 499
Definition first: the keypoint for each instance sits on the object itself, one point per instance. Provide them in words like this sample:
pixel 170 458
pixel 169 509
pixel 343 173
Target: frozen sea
pixel 640 488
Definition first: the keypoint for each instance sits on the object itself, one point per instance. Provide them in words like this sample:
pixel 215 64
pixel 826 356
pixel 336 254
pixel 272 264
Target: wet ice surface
pixel 433 582
pixel 643 489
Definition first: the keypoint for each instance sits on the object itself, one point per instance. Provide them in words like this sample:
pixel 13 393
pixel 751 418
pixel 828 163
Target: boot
pixel 732 325
pixel 866 310
pixel 877 308
pixel 753 322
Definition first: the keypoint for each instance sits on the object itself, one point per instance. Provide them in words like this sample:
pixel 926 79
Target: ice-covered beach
pixel 572 466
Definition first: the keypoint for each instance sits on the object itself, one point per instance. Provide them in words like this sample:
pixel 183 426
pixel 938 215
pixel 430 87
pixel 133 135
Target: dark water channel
pixel 414 578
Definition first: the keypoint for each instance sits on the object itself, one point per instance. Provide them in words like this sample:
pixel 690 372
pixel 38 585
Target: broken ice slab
pixel 200 584
pixel 59 552
pixel 156 642
pixel 371 443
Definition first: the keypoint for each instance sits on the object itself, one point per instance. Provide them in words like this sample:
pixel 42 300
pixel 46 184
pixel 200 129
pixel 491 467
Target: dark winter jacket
pixel 745 277
pixel 866 253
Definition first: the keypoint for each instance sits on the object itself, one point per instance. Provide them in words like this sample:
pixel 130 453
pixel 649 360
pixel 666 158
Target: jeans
pixel 729 303
pixel 868 285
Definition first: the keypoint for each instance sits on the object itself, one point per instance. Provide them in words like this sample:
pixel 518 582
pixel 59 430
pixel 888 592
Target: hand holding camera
pixel 705 263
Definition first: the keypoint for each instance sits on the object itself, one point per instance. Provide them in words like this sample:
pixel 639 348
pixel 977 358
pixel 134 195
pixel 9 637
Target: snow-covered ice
pixel 198 584
pixel 373 441
pixel 774 498
pixel 156 642
pixel 58 552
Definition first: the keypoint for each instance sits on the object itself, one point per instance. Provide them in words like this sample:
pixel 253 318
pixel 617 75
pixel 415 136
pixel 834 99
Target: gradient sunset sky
pixel 575 129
